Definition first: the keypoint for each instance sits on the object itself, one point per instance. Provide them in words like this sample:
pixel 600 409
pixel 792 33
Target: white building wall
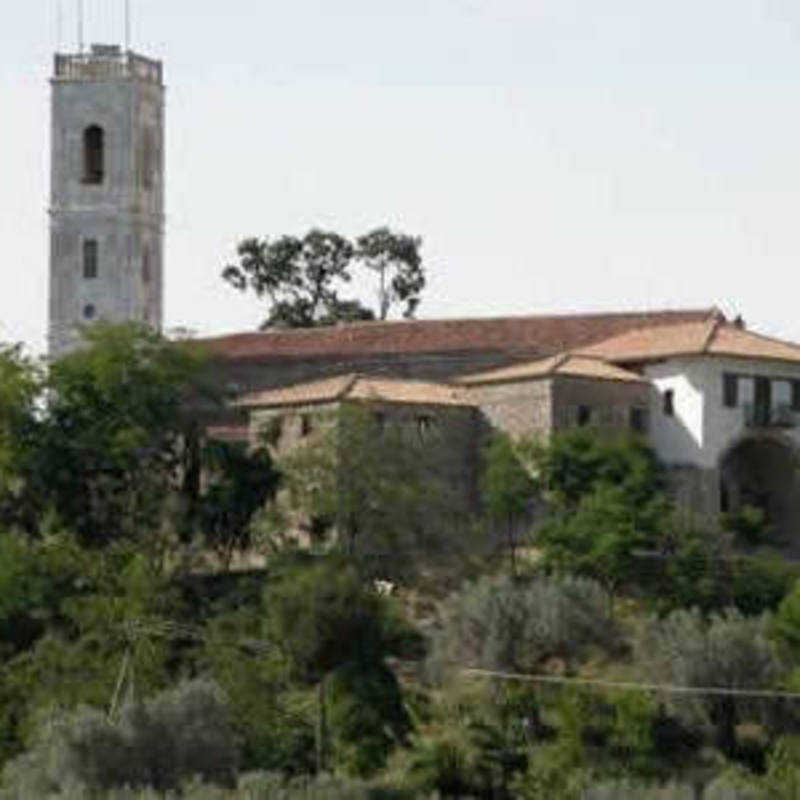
pixel 677 439
pixel 702 428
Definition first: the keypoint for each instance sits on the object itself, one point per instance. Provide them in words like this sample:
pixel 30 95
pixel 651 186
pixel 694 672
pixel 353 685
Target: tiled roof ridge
pixel 712 311
pixel 350 380
pixel 560 360
pixel 713 328
pixel 763 336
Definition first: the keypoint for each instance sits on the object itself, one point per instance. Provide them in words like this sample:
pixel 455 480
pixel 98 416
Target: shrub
pixel 499 623
pixel 158 744
pixel 727 650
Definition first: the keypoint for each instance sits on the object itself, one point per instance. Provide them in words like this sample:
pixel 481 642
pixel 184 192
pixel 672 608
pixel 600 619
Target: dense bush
pixel 499 623
pixel 702 571
pixel 158 744
pixel 725 650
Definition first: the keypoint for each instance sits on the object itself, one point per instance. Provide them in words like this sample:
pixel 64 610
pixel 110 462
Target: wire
pixel 632 686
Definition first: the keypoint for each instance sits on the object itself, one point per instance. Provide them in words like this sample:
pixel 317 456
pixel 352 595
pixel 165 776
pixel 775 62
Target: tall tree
pixel 116 430
pixel 303 278
pixel 395 258
pixel 20 385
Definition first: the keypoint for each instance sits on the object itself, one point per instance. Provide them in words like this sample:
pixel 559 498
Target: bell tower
pixel 107 192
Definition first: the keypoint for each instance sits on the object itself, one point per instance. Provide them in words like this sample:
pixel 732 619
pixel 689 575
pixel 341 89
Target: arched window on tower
pixel 93 154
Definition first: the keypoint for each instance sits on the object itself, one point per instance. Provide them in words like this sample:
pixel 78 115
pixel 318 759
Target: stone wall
pixel 521 408
pixel 451 438
pixel 606 404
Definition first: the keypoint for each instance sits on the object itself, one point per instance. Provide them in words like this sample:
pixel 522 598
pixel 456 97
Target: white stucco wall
pixel 702 428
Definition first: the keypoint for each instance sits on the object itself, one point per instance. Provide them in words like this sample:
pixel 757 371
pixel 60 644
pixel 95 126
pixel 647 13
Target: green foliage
pixel 273 719
pixel 108 636
pixel 20 382
pixel 748 524
pixel 239 481
pixel 158 744
pixel 373 490
pixel 608 501
pixel 114 433
pixel 727 650
pixel 36 577
pixel 303 277
pixel 334 629
pixel 367 716
pixel 499 623
pixel 578 462
pixel 323 616
pixel 509 487
pixel 781 779
pixel 395 258
pixel 787 620
pixel 598 539
pixel 702 571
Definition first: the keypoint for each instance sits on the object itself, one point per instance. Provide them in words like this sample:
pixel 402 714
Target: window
pixel 93 155
pixel 730 390
pixel 638 419
pixel 795 395
pixel 146 265
pixel 669 403
pixel 424 425
pixel 584 416
pixel 148 158
pixel 305 425
pixel 380 421
pixel 89 311
pixel 90 258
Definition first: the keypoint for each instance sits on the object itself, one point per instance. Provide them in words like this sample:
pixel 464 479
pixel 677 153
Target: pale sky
pixel 555 155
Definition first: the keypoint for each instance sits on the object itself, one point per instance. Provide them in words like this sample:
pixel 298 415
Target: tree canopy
pixel 303 278
pixel 114 433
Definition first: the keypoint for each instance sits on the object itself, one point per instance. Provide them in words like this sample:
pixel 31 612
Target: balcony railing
pixel 762 415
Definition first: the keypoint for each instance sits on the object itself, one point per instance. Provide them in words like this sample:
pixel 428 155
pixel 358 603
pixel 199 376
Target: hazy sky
pixel 555 155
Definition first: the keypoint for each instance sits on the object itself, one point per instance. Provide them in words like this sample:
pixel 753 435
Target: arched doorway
pixel 762 471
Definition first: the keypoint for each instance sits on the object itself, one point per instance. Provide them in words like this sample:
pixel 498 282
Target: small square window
pixel 669 403
pixel 638 419
pixel 424 425
pixel 89 311
pixel 730 390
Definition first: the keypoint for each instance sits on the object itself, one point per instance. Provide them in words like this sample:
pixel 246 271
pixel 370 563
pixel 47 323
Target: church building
pixel 720 405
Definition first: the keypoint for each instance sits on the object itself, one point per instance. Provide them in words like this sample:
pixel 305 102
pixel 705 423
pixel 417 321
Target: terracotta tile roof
pixel 660 341
pixel 563 364
pixel 691 339
pixel 357 387
pixel 525 336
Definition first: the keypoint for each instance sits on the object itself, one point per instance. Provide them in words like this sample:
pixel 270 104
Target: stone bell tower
pixel 107 192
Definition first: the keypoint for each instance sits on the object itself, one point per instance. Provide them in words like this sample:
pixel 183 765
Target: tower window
pixel 148 158
pixel 90 258
pixel 88 311
pixel 669 403
pixel 146 265
pixel 93 154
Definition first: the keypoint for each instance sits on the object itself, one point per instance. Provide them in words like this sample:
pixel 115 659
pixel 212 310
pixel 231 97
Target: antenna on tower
pixel 127 25
pixel 59 25
pixel 80 26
